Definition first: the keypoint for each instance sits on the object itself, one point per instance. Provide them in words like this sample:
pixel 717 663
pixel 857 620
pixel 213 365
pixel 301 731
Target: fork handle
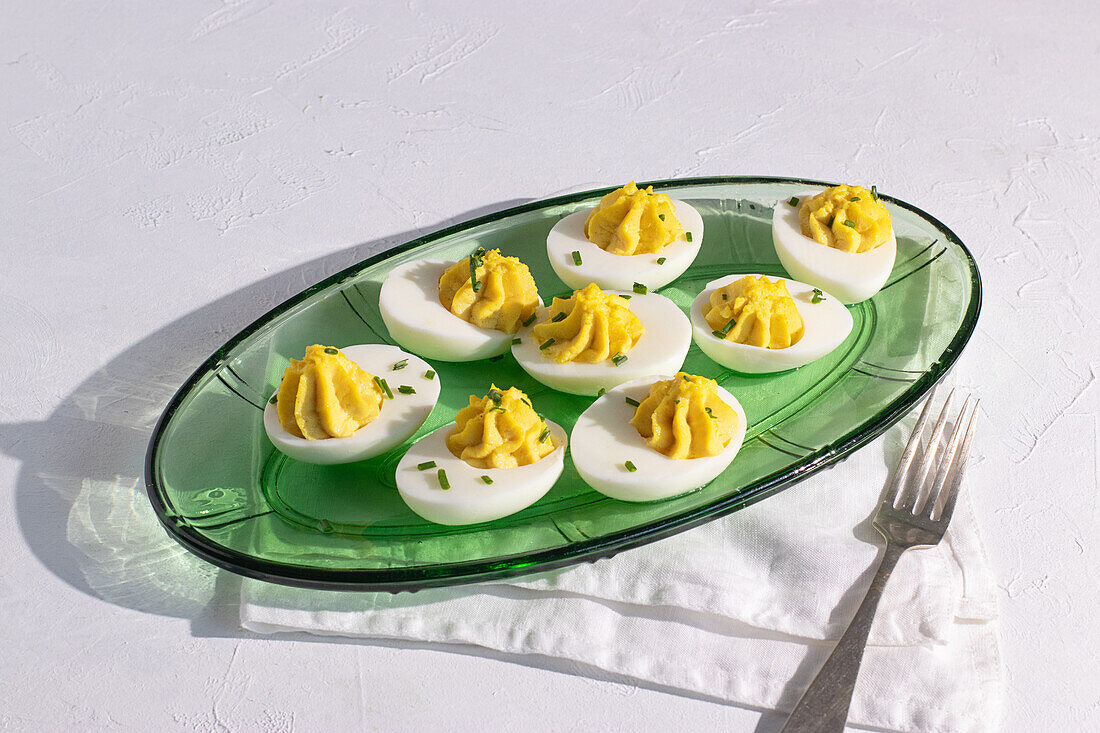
pixel 824 705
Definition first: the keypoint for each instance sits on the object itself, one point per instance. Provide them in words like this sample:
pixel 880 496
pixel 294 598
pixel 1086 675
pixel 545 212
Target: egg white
pixel 850 276
pixel 470 500
pixel 398 419
pixel 410 307
pixel 826 323
pixel 620 272
pixel 662 348
pixel 604 440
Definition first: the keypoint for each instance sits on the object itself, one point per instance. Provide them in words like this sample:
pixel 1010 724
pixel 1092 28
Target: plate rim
pixel 458 573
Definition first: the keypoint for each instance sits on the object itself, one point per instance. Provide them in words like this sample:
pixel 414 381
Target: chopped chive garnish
pixel 793 201
pixel 544 435
pixel 687 236
pixel 725 296
pixel 274 399
pixel 530 320
pixel 476 259
pixel 630 467
pixel 486 479
pixel 429 374
pixel 874 193
pixel 425 465
pixel 576 257
pixel 496 396
pixel 546 344
pixel 400 365
pixel 559 317
pixel 661 260
pixel 632 402
pixel 625 296
pixel 498 408
pixel 686 377
pixel 602 392
pixel 383 386
pixel 330 350
pixel 618 359
pixel 517 341
pixel 661 217
pixel 818 296
pixel 640 289
pixel 710 414
pixel 726 329
pixel 443 482
pixel 406 389
pixel 849 223
pixel 855 198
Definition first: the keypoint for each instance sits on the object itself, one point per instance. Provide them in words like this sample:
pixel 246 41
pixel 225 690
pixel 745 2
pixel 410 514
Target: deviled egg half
pixel 632 236
pixel 458 311
pixel 756 325
pixel 498 457
pixel 596 340
pixel 839 240
pixel 657 437
pixel 343 405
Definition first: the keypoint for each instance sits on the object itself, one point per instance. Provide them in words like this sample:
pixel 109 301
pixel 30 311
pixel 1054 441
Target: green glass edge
pixel 412 579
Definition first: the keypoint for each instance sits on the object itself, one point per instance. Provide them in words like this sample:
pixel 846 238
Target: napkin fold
pixel 743 609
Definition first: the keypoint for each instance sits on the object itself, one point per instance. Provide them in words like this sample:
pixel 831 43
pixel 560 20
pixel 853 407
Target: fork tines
pixel 915 488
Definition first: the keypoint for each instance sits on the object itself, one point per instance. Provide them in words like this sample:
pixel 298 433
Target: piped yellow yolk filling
pixel 755 311
pixel 489 291
pixel 684 417
pixel 631 221
pixel 590 326
pixel 500 430
pixel 848 218
pixel 326 395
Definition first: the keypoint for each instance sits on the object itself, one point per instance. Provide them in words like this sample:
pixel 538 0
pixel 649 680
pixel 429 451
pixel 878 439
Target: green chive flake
pixel 406 389
pixel 516 341
pixel 546 344
pixel 640 289
pixel 602 392
pixel 687 236
pixel 793 201
pixel 661 217
pixel 400 365
pixel 330 350
pixel 383 386
pixel 818 296
pixel 544 435
pixel 443 482
pixel 274 399
pixel 849 223
pixel 530 320
pixel 425 465
pixel 577 257
pixel 874 193
pixel 632 402
pixel 630 467
pixel 710 414
pixel 496 396
pixel 559 317
pixel 855 198
pixel 486 479
pixel 726 329
pixel 661 260
pixel 618 359
pixel 429 374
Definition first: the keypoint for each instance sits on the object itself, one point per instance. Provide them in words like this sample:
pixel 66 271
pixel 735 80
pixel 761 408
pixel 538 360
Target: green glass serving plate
pixel 224 492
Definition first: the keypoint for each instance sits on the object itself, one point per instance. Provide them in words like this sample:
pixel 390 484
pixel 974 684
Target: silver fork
pixel 914 512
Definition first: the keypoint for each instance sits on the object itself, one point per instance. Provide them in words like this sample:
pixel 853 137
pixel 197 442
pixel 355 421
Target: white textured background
pixel 171 171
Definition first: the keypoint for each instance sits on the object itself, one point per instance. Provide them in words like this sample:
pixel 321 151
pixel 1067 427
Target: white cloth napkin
pixel 742 609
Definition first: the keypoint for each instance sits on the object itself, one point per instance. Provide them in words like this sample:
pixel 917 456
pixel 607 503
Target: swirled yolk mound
pixel 684 417
pixel 632 221
pixel 500 430
pixel 326 395
pixel 848 218
pixel 755 311
pixel 590 326
pixel 489 291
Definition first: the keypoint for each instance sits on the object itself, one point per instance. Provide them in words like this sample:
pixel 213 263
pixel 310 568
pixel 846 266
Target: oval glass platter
pixel 224 492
